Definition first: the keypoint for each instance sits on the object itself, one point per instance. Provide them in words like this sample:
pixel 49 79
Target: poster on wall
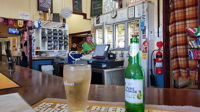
pixel 45 5
pixel 109 5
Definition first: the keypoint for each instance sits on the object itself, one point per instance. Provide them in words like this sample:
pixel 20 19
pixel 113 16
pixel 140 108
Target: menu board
pixel 96 7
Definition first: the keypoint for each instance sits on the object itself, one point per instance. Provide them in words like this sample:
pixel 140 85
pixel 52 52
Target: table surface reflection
pixel 36 86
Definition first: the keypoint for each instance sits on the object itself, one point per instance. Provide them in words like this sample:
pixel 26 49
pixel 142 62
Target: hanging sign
pixel 24 15
pixel 20 23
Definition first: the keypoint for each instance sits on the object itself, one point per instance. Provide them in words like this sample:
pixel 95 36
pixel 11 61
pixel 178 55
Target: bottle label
pixel 134 91
pixel 134 49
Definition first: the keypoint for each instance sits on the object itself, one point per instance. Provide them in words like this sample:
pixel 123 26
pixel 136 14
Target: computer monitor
pixel 101 51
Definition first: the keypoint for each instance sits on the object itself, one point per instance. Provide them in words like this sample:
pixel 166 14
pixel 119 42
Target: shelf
pixel 193 48
pixel 193 69
pixel 194 59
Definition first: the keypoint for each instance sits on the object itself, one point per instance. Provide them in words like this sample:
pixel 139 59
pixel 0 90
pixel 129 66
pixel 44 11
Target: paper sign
pixel 24 15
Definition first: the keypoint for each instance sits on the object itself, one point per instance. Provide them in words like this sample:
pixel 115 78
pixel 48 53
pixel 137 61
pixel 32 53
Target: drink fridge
pixel 109 36
pixel 99 35
pixel 118 27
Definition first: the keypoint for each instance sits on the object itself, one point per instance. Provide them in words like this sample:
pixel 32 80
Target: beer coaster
pixel 6 83
pixel 60 105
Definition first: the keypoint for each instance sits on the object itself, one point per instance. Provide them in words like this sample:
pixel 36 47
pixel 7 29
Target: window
pixel 77 5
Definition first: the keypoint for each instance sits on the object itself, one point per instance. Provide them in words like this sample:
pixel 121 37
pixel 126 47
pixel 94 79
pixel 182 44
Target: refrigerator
pixel 120 35
pixel 133 29
pixel 117 31
pixel 99 35
pixel 109 36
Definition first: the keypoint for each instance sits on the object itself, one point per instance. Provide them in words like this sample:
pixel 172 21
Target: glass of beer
pixel 77 80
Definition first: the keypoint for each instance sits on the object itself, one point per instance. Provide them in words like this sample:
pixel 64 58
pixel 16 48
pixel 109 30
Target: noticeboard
pixel 96 7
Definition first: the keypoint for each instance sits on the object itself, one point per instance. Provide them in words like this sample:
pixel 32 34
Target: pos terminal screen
pixel 101 51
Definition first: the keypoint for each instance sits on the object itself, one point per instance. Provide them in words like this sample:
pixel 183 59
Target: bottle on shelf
pixel 134 80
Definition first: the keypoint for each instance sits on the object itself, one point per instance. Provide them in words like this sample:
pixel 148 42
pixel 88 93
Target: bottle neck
pixel 134 54
pixel 134 59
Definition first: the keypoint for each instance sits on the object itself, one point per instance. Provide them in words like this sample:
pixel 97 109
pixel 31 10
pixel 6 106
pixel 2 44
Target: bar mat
pixel 60 105
pixel 6 83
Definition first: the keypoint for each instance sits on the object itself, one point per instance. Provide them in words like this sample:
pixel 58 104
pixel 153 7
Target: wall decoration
pixel 11 22
pixel 77 5
pixel 131 12
pixel 45 5
pixel 109 5
pixel 1 20
pixel 20 23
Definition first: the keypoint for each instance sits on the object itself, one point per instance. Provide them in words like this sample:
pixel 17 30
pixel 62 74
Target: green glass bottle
pixel 134 80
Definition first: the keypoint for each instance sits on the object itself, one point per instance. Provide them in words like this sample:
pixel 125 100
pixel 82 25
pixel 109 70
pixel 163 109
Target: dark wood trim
pixel 198 12
pixel 166 46
pixel 73 34
pixel 81 13
pixel 0 51
pixel 30 51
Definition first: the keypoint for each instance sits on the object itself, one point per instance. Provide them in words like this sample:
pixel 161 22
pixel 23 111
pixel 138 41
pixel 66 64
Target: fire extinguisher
pixel 159 59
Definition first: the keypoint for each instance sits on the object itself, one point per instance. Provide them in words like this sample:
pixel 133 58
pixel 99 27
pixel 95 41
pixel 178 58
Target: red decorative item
pixel 29 24
pixel 145 46
pixel 25 35
pixel 11 22
pixel 191 31
pixel 1 20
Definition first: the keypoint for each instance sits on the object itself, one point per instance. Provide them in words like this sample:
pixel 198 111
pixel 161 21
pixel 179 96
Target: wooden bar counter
pixel 36 86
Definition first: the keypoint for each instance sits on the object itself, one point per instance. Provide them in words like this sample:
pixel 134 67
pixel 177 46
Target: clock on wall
pixel 114 14
pixel 45 5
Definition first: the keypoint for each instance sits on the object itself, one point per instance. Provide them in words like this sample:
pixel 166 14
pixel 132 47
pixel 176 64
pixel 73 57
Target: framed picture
pixel 77 5
pixel 131 12
pixel 45 5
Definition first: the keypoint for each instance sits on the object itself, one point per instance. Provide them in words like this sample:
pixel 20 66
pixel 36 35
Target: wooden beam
pixel 0 51
pixel 85 32
pixel 166 46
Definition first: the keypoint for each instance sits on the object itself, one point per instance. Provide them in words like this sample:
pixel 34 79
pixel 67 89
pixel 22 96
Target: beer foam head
pixel 74 67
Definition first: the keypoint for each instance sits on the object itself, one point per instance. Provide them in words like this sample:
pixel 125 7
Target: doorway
pixel 78 39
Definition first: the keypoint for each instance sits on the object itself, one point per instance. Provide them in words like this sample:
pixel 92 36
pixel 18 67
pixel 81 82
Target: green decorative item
pixel 197 34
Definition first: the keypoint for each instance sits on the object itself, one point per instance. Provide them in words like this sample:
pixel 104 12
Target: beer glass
pixel 77 78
